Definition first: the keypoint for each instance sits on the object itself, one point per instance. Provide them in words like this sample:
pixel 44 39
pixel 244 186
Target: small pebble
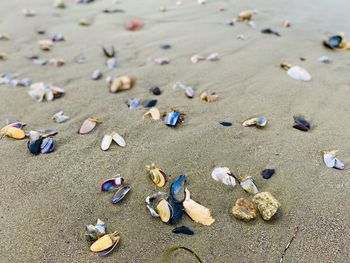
pixel 267 173
pixel 156 91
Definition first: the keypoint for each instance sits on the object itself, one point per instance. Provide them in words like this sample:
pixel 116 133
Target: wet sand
pixel 46 200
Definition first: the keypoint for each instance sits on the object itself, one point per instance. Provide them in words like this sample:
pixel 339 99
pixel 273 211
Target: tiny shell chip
pixel 245 15
pixel 331 161
pixel 96 75
pixel 94 232
pixel 325 59
pixel 106 142
pixel 189 92
pixel 162 61
pixel 119 139
pixel 154 112
pixel 165 46
pixel 45 44
pixel 299 73
pixel 250 122
pixel 196 58
pixel 208 98
pixel 84 22
pixel 88 125
pixel 213 57
pixel 133 103
pixel 223 174
pixel 225 123
pixel 112 63
pixel 28 12
pixel 57 62
pixel 133 25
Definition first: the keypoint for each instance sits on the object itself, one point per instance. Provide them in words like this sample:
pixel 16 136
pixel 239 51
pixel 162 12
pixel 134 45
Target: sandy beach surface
pixel 46 200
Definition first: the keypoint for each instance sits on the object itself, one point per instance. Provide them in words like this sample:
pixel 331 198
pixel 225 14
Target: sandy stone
pixel 244 210
pixel 267 204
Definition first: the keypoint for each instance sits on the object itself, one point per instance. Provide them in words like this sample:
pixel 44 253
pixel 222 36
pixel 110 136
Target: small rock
pixel 156 91
pixel 267 204
pixel 244 210
pixel 267 173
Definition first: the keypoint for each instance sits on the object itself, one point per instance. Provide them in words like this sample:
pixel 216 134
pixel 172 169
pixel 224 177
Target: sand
pixel 46 200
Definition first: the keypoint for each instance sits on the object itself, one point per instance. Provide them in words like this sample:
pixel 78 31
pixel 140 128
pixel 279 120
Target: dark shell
pixel 107 251
pixel 270 31
pixel 120 194
pixel 149 103
pixel 177 189
pixel 267 173
pixel 301 123
pixel 172 118
pixel 333 42
pixel 183 230
pixel 225 123
pixel 165 46
pixel 112 184
pixel 35 146
pixel 177 210
pixel 108 54
pixel 48 145
pixel 156 91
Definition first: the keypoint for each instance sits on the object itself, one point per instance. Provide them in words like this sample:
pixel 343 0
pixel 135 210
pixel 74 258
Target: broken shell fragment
pixel 94 232
pixel 59 4
pixel 209 98
pixel 249 186
pixel 300 123
pixel 224 175
pixel 255 121
pixel 154 113
pixel 57 62
pixel 174 118
pixel 84 22
pixel 197 212
pixel 244 210
pixel 162 61
pixel 164 211
pixel 149 103
pixel 112 183
pixel 158 176
pixel 88 125
pixel 45 44
pixel 267 204
pixel 34 143
pixel 246 15
pixel 183 230
pixel 333 42
pixel 133 25
pixel 197 58
pixel 96 75
pixel 119 84
pixel 48 145
pixel 325 59
pixel 28 12
pixel 112 63
pixel 133 103
pixel 105 242
pixel 213 57
pixel 331 161
pixel 120 194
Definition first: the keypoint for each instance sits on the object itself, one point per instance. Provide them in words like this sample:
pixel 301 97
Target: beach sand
pixel 47 200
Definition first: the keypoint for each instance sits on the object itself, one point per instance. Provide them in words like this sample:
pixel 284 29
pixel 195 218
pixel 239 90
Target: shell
pixel 262 121
pixel 112 183
pixel 112 63
pixel 225 123
pixel 189 92
pixel 13 132
pixel 149 103
pixel 105 242
pixel 213 57
pixel 154 112
pixel 133 103
pixel 94 232
pixel 172 118
pixel 177 189
pixel 120 194
pixel 208 98
pixel 158 177
pixel 223 174
pixel 156 91
pixel 88 125
pixel 249 186
pixel 331 161
pixel 35 146
pixel 150 200
pixel 59 4
pixel 333 42
pixel 197 212
pixel 162 61
pixel 133 25
pixel 183 230
pixel 197 58
pixel 267 173
pixel 59 117
pixel 48 145
pixel 121 83
pixel 245 15
pixel 45 44
pixel 301 123
pixel 250 122
pixel 164 211
pixel 108 250
pixel 299 73
pixel 177 210
pixel 96 75
pixel 118 139
pixel 106 142
pixel 57 62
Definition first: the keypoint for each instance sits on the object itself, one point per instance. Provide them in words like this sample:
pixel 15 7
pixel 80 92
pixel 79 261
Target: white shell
pixel 331 161
pixel 59 117
pixel 221 174
pixel 106 142
pixel 299 73
pixel 196 58
pixel 119 140
pixel 213 57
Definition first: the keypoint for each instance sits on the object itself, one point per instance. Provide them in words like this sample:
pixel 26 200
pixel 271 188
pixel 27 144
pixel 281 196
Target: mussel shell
pixel 267 173
pixel 112 184
pixel 177 210
pixel 183 230
pixel 225 123
pixel 120 194
pixel 177 189
pixel 333 42
pixel 262 121
pixel 48 145
pixel 172 118
pixel 149 103
pixel 35 146
pixel 301 123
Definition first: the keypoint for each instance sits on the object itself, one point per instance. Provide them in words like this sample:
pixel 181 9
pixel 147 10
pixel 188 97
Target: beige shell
pixel 45 44
pixel 121 83
pixel 158 177
pixel 209 98
pixel 105 242
pixel 154 112
pixel 163 210
pixel 197 212
pixel 245 15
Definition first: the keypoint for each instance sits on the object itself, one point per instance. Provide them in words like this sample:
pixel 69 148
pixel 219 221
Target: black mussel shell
pixel 225 123
pixel 301 124
pixel 156 91
pixel 35 146
pixel 177 209
pixel 267 173
pixel 333 42
pixel 183 230
pixel 177 189
pixel 149 103
pixel 270 31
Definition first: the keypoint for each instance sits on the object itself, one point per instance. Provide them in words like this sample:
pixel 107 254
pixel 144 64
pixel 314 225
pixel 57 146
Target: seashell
pixel 172 118
pixel 162 8
pixel 59 4
pixel 47 145
pixel 267 173
pixel 165 46
pixel 162 61
pixel 112 183
pixel 249 186
pixel 197 212
pixel 96 75
pixel 94 232
pixel 47 132
pixel 133 25
pixel 81 59
pixel 120 194
pixel 177 210
pixel 154 112
pixel 45 44
pixel 56 62
pixel 189 92
pixel 202 2
pixel 225 123
pixel 152 199
pixel 35 146
pixel 299 73
pixel 59 117
pixel 231 22
pixel 107 251
pixel 325 59
pixel 118 139
pixel 156 91
pixel 4 37
pixel 331 161
pixel 40 62
pixel 121 83
pixel 197 58
pixel 333 42
pixel 286 23
pixel 300 123
pixel 34 135
pixel 246 15
pixel 39 91
pixel 164 211
pixel 158 176
pixel 213 57
pixel 183 230
pixel 255 121
pixel 106 142
pixel 208 98
pixel 112 63
pixel 262 121
pixel 28 12
pixel 107 53
pixel 84 22
pixel 224 175
pixel 3 56
pixel 177 189
pixel 241 37
pixel 88 125
pixel 13 130
pixel 105 242
pixel 58 38
pixel 149 103
pixel 133 103
pixel 270 31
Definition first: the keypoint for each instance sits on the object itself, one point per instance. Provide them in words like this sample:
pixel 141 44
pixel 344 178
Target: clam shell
pixel 197 212
pixel 189 92
pixel 154 112
pixel 119 139
pixel 13 132
pixel 299 73
pixel 177 189
pixel 164 211
pixel 87 126
pixel 106 142
pixel 105 242
pixel 158 177
pixel 213 57
pixel 250 122
pixel 331 161
pixel 108 250
pixel 112 183
pixel 120 194
pixel 222 174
